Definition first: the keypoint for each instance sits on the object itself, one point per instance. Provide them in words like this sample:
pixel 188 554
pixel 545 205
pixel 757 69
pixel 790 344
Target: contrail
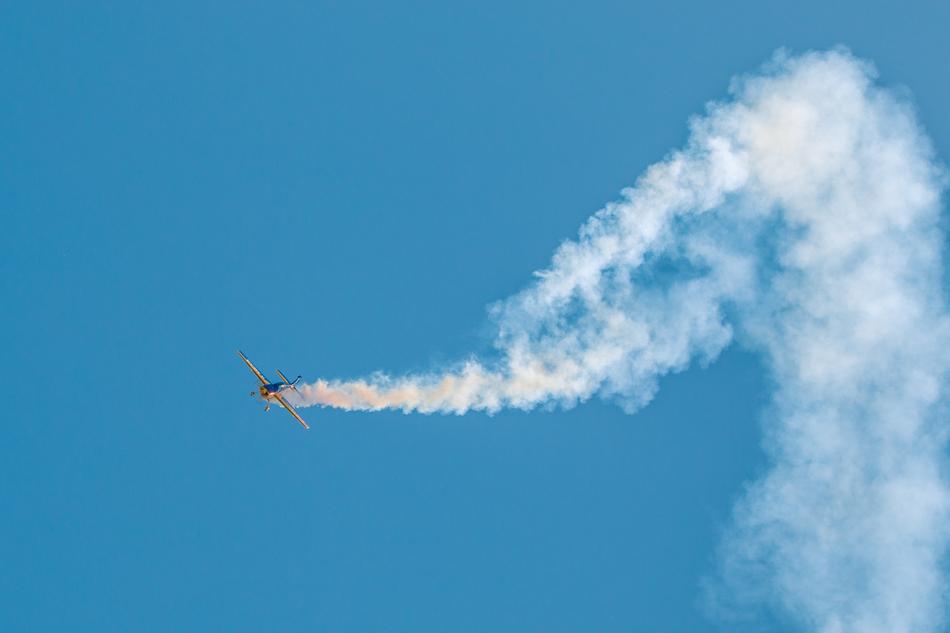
pixel 801 219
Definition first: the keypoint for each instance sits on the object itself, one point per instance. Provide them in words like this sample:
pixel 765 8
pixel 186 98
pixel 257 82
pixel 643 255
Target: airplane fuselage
pixel 272 389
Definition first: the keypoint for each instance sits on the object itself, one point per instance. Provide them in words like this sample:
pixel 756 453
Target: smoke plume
pixel 801 219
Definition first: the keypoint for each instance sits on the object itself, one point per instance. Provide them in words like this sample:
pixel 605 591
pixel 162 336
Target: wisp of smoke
pixel 801 219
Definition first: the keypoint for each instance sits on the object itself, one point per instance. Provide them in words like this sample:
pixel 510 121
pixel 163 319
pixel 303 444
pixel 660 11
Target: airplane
pixel 271 391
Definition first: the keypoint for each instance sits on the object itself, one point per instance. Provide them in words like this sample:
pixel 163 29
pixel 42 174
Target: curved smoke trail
pixel 802 218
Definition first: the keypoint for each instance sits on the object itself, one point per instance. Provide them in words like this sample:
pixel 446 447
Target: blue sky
pixel 337 189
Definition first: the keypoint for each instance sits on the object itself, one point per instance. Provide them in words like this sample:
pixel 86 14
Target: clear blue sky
pixel 339 188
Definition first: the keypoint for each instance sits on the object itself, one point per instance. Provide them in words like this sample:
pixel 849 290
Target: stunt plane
pixel 270 391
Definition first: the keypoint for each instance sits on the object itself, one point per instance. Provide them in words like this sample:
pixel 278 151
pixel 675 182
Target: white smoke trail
pixel 804 214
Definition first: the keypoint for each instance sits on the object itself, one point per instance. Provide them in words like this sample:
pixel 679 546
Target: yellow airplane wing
pixel 290 409
pixel 251 366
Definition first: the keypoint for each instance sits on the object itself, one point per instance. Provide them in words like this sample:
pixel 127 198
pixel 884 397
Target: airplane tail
pixel 293 384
